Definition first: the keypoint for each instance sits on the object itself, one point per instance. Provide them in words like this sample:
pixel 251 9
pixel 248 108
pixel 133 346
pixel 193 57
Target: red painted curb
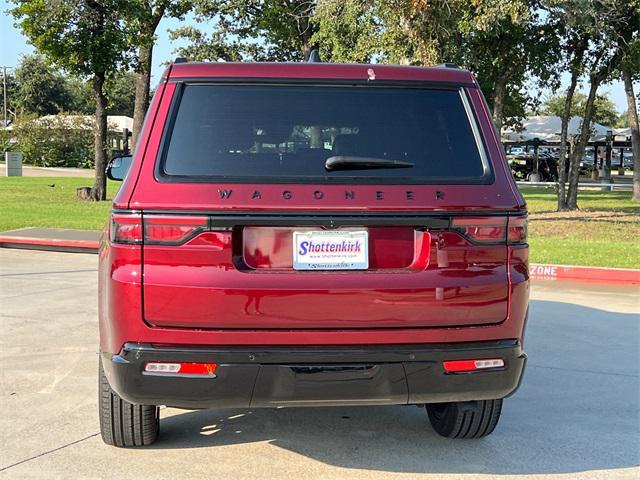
pixel 599 274
pixel 52 244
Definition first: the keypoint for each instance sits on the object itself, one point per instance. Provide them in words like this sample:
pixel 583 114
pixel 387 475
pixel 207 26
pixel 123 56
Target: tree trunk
pixel 305 37
pixel 579 46
pixel 578 151
pixel 99 190
pixel 143 79
pixel 632 112
pixel 306 48
pixel 564 127
pixel 499 91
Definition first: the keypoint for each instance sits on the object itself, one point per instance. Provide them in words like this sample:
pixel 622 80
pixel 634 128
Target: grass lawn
pixel 50 202
pixel 604 232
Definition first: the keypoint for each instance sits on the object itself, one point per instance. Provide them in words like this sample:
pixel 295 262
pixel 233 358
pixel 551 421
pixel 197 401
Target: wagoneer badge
pixel 225 194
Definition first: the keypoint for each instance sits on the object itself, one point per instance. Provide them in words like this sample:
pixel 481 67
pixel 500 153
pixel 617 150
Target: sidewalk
pixel 88 241
pixel 29 171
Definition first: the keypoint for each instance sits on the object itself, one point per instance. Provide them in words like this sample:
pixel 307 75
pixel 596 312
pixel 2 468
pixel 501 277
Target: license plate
pixel 331 250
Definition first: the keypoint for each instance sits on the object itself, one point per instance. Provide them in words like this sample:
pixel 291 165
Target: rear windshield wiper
pixel 342 162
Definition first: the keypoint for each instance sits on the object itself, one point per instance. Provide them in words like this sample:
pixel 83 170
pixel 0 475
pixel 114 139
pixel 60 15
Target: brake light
pixel 454 366
pixel 181 369
pixel 517 232
pixel 482 229
pixel 126 228
pixel 492 230
pixel 172 229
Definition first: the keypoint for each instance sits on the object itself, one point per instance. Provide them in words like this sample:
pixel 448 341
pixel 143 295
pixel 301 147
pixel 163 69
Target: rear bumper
pixel 305 376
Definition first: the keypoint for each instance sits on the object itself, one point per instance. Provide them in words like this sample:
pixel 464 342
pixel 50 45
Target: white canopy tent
pixel 622 133
pixel 547 129
pixel 115 123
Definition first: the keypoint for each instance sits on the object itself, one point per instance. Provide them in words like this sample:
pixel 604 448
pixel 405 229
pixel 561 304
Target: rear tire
pixel 123 424
pixel 465 419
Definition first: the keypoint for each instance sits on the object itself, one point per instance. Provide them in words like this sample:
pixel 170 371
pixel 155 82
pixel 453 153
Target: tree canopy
pixel 41 89
pixel 82 37
pixel 38 88
pixel 87 38
pixel 604 110
pixel 276 30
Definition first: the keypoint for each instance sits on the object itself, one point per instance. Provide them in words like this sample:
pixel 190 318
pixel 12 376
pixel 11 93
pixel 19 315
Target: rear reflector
pixel 182 369
pixel 471 365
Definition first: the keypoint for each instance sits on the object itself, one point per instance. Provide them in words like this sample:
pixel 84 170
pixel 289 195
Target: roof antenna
pixel 314 56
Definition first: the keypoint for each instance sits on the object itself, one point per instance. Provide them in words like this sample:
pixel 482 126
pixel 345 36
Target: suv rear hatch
pixel 324 206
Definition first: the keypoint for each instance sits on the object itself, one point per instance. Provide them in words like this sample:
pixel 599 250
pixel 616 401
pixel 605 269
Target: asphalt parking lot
pixel 577 414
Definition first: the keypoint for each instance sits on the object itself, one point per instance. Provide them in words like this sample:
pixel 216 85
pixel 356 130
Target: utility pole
pixel 4 94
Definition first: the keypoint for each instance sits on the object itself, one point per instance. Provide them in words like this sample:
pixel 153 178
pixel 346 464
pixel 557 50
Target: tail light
pixel 492 230
pixel 126 228
pixel 172 229
pixel 482 229
pixel 133 228
pixel 517 232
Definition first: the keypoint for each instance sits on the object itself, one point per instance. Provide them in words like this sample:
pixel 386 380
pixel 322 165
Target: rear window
pixel 277 133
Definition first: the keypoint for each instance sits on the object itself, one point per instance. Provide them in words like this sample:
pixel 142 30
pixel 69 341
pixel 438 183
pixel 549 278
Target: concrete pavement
pixel 30 171
pixel 575 416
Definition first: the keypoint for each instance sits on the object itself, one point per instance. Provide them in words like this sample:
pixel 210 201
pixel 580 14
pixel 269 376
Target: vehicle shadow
pixel 577 410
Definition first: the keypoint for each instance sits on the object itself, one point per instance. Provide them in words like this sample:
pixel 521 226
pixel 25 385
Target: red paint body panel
pixel 235 288
pixel 221 296
pixel 121 318
pixel 121 199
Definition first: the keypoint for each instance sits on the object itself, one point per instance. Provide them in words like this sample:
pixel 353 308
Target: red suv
pixel 311 235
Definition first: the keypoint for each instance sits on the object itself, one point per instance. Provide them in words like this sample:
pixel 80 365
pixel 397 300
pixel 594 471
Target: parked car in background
pixel 627 161
pixel 587 164
pixel 523 167
pixel 310 235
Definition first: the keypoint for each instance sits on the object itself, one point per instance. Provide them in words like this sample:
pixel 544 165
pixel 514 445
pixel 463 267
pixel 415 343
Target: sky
pixel 13 45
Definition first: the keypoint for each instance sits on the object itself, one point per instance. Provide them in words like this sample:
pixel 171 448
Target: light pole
pixel 607 158
pixel 4 94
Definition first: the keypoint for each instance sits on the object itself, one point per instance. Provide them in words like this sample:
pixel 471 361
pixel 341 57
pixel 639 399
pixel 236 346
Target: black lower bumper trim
pixel 301 376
